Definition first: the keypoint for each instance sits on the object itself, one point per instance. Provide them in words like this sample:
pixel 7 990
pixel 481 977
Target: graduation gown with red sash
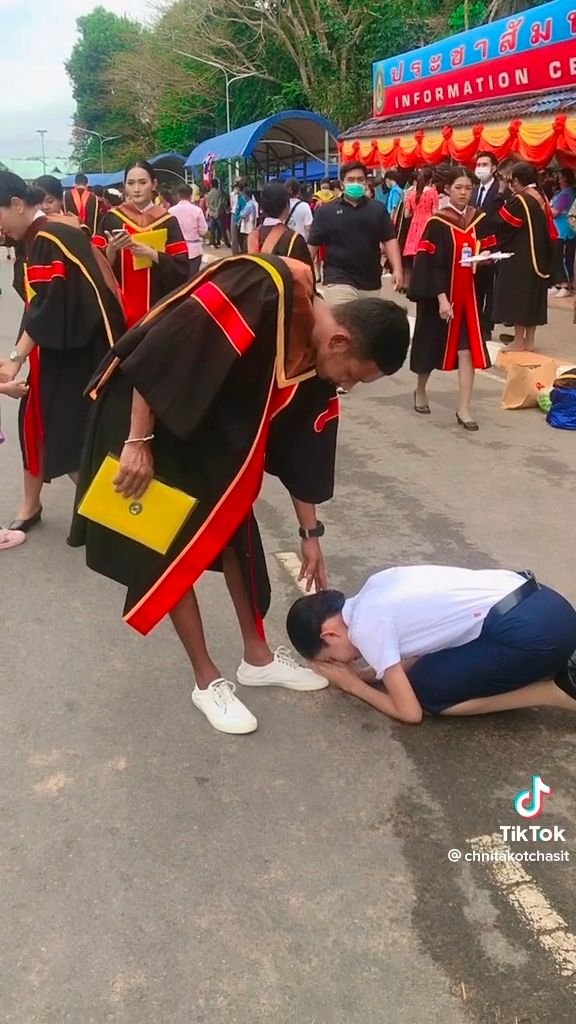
pixel 216 362
pixel 143 288
pixel 85 205
pixel 301 449
pixel 524 227
pixel 74 316
pixel 437 269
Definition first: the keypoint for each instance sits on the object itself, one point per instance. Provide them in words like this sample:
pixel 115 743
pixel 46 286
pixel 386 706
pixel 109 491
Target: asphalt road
pixel 156 872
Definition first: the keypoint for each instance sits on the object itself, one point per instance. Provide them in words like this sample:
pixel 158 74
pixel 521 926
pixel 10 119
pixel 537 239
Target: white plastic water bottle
pixel 466 253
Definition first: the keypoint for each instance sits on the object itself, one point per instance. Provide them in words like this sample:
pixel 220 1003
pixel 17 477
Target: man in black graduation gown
pixel 191 395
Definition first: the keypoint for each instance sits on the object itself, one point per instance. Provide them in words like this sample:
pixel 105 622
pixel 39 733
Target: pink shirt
pixel 192 225
pixel 421 212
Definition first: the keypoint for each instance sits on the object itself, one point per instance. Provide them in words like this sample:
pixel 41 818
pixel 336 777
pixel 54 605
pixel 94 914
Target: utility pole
pixel 42 132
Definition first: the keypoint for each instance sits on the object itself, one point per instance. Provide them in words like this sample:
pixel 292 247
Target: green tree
pixel 102 37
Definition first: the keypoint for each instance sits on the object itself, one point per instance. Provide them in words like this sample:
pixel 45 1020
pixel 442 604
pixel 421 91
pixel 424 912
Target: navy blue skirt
pixel 531 642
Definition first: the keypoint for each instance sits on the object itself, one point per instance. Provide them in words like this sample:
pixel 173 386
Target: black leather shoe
pixel 467 424
pixel 25 525
pixel 566 679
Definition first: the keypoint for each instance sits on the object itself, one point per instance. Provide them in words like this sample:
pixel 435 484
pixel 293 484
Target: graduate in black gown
pixel 191 394
pixel 448 333
pixel 167 263
pixel 301 448
pixel 81 202
pixel 73 316
pixel 525 227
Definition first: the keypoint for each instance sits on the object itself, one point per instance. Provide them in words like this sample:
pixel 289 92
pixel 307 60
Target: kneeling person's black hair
pixel 306 618
pixel 379 329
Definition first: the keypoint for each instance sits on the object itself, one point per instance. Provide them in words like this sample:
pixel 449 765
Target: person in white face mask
pixel 487 196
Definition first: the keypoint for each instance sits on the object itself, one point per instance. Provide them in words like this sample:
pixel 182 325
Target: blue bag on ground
pixel 562 412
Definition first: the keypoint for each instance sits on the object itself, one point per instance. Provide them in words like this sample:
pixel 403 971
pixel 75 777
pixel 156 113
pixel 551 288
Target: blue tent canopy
pixel 313 170
pixel 171 163
pixel 278 140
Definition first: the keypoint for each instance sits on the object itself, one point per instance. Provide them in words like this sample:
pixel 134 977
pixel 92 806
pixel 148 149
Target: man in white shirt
pixel 301 216
pixel 443 640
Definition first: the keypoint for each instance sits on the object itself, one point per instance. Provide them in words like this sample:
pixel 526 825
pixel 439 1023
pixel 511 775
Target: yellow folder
pixel 154 520
pixel 155 240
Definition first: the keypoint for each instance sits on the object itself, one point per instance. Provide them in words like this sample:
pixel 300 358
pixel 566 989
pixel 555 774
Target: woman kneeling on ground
pixel 444 641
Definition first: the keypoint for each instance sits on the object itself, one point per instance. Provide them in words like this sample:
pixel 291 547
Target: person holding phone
pixel 167 268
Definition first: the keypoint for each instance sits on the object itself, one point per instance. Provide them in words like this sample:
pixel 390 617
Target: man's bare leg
pixel 188 625
pixel 256 650
pixel 542 694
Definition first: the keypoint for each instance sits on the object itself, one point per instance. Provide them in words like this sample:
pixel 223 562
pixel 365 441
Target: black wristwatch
pixel 316 531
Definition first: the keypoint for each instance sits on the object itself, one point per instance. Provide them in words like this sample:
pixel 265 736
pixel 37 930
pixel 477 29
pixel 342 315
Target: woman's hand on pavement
pixel 136 470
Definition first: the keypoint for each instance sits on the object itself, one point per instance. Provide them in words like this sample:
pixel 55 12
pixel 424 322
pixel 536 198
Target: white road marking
pixel 290 561
pixel 526 897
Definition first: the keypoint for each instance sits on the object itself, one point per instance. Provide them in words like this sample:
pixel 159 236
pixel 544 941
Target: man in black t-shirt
pixel 355 233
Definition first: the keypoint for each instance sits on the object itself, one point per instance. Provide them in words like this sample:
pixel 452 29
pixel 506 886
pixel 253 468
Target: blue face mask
pixel 354 190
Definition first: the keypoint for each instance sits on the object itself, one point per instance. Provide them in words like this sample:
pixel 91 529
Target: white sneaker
pixel 562 293
pixel 222 709
pixel 283 671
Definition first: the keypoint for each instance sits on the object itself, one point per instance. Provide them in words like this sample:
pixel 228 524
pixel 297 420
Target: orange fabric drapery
pixel 535 141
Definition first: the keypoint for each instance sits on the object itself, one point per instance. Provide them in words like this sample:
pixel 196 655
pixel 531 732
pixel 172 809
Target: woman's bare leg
pixel 542 694
pixel 256 650
pixel 519 343
pixel 188 625
pixel 530 338
pixel 421 397
pixel 465 384
pixel 32 491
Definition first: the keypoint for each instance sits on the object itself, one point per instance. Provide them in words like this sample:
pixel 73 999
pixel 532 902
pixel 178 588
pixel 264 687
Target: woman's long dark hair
pixel 143 164
pixel 424 178
pixel 13 187
pixel 50 186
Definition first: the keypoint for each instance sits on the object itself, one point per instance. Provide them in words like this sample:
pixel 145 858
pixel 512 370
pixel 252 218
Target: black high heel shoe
pixel 424 410
pixel 467 424
pixel 25 525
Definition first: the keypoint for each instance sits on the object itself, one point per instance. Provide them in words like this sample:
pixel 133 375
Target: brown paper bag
pixel 528 373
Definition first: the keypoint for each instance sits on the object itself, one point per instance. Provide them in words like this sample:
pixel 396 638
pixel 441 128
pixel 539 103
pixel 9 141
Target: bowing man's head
pixel 359 341
pixel 317 629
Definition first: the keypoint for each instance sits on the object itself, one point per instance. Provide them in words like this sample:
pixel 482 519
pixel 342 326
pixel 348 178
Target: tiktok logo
pixel 530 802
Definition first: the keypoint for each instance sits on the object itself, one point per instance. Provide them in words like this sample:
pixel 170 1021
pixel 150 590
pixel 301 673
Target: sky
pixel 36 37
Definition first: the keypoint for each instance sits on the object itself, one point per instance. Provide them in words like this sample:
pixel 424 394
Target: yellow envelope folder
pixel 154 520
pixel 155 240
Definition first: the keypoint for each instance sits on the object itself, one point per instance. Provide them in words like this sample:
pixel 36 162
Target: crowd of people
pixel 208 376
